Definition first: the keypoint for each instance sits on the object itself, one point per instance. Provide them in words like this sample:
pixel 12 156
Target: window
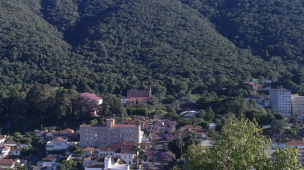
pixel 130 130
pixel 86 134
pixel 86 129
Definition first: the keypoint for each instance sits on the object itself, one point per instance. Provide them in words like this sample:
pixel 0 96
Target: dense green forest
pixel 272 29
pixel 177 47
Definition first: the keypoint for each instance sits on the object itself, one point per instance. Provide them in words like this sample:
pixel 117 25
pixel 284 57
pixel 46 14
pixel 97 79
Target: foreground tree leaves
pixel 241 146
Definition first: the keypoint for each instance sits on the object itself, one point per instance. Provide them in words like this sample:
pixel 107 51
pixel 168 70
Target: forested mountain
pixel 272 29
pixel 110 46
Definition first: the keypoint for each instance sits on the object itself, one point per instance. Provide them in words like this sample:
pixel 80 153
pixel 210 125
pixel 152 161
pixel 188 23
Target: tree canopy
pixel 241 146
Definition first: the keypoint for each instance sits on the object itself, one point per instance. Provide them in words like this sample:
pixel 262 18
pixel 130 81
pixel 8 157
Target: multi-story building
pixel 109 134
pixel 297 104
pixel 280 98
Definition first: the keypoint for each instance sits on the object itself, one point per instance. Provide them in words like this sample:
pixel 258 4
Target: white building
pixel 280 98
pixel 2 139
pixel 108 164
pixel 58 144
pixel 297 104
pixel 123 150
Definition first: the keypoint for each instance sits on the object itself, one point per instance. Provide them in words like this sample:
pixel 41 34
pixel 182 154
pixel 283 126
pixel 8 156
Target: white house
pixel 212 126
pixel 123 150
pixel 10 143
pixel 6 150
pixel 16 151
pixel 191 113
pixel 123 100
pixel 51 133
pixel 2 139
pixel 58 144
pixel 108 164
pixel 40 133
pixel 50 160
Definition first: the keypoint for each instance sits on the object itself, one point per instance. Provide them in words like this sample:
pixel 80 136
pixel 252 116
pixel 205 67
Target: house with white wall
pixel 59 144
pixel 88 150
pixel 2 139
pixel 16 151
pixel 107 164
pixel 123 150
pixel 47 161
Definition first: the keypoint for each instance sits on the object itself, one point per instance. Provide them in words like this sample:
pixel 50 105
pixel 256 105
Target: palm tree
pixel 180 144
pixel 137 149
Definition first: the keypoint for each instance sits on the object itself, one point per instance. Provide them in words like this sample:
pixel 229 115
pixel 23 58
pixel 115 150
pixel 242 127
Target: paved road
pixel 159 148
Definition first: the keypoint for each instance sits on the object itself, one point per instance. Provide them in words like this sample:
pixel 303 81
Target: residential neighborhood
pixel 141 141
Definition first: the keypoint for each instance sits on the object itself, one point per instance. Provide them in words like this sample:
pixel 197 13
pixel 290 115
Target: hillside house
pixel 107 163
pixel 140 97
pixel 88 150
pixel 123 150
pixel 59 144
pixel 2 139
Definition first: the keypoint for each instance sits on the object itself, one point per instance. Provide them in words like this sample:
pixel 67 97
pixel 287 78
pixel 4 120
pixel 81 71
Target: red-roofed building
pixel 88 150
pixel 123 150
pixel 143 124
pixel 16 151
pixel 7 163
pixel 142 118
pixel 198 129
pixel 109 134
pixel 2 139
pixel 141 97
pixel 295 143
pixel 59 144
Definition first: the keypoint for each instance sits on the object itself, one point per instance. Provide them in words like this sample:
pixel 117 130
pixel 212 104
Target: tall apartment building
pixel 297 104
pixel 280 98
pixel 109 134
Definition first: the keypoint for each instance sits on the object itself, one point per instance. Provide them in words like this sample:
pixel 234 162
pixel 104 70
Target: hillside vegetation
pixel 111 46
pixel 272 29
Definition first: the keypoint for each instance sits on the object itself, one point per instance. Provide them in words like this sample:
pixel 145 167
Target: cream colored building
pixel 109 134
pixel 297 104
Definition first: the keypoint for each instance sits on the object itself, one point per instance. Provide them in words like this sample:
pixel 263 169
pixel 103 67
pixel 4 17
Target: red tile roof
pixel 139 118
pixel 49 157
pixel 120 147
pixel 295 143
pixel 17 149
pixel 54 131
pixel 134 99
pixel 88 148
pixel 6 160
pixel 59 139
pixel 68 130
pixel 131 122
pixel 123 125
pixel 137 93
